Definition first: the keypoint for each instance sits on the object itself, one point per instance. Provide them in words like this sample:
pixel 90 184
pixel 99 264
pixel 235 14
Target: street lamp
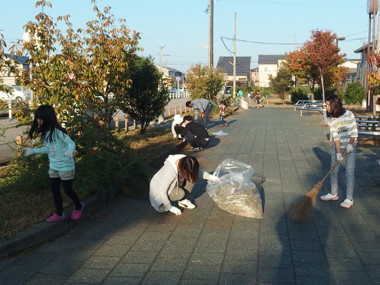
pixel 339 39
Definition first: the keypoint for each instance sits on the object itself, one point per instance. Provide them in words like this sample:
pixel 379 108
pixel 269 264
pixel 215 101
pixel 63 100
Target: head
pixel 189 104
pixel 44 120
pixel 334 106
pixel 187 119
pixel 188 167
pixel 257 91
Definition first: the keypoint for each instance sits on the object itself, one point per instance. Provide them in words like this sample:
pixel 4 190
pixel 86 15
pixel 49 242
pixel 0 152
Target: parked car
pixel 18 93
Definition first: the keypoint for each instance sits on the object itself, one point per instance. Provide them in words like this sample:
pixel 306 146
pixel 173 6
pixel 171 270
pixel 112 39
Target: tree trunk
pixel 323 86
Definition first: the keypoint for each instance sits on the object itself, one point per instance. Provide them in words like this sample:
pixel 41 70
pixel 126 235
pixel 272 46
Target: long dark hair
pixel 50 123
pixel 336 106
pixel 188 167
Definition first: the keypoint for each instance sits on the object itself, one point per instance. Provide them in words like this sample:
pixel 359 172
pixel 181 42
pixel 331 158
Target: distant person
pixel 344 133
pixel 60 148
pixel 195 134
pixel 222 113
pixel 168 184
pixel 257 99
pixel 203 106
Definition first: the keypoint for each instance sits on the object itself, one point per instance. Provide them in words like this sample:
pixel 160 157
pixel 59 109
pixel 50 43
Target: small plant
pixel 299 93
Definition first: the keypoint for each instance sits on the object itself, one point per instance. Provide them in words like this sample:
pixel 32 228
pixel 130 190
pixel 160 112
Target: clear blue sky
pixel 182 26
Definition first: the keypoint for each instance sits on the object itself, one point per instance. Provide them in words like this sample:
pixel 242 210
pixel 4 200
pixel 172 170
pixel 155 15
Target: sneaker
pixel 186 204
pixel 77 214
pixel 195 149
pixel 347 203
pixel 226 124
pixel 56 218
pixel 329 197
pixel 220 125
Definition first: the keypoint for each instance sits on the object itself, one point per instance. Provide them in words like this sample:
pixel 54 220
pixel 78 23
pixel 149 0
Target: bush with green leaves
pixel 299 93
pixel 355 93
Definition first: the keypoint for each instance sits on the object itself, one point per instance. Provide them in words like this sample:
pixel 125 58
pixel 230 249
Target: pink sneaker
pixel 77 214
pixel 56 218
pixel 226 124
pixel 329 197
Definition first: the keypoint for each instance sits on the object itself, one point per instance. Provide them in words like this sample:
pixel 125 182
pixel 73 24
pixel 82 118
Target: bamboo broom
pixel 300 210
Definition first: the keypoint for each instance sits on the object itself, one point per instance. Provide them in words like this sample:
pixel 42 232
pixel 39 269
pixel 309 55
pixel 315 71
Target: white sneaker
pixel 186 204
pixel 347 203
pixel 329 197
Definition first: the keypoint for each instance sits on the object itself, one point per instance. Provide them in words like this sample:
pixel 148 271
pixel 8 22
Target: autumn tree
pixel 282 83
pixel 78 71
pixel 204 82
pixel 145 99
pixel 324 54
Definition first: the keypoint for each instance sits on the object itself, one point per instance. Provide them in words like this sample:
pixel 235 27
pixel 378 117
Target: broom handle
pixel 332 168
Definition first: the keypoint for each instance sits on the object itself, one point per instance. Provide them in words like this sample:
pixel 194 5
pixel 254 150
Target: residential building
pixel 243 70
pixel 10 79
pixel 268 65
pixel 171 75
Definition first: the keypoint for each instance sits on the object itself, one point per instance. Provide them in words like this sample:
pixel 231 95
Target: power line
pixel 261 43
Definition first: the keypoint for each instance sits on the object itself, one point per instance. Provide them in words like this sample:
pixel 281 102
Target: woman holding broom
pixel 344 134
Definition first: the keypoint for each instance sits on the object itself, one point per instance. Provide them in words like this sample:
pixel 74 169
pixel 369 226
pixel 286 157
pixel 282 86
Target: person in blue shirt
pixel 60 148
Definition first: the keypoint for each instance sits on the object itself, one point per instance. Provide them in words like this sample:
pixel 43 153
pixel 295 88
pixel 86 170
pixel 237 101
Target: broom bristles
pixel 300 210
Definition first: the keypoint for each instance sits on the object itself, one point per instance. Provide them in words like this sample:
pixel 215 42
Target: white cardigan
pixel 164 181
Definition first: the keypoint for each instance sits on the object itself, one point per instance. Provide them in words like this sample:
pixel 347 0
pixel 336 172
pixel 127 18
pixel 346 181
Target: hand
pixel 213 178
pixel 339 157
pixel 349 148
pixel 203 115
pixel 175 210
pixel 27 151
pixel 69 153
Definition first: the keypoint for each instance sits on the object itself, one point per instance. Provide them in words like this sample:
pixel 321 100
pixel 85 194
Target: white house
pixel 268 65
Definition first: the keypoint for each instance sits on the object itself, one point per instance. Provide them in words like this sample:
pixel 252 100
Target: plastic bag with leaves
pixel 236 193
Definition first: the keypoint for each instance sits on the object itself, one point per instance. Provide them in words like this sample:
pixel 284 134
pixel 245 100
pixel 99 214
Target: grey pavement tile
pixel 240 266
pixel 59 267
pixel 303 235
pixel 308 256
pixel 202 272
pixel 311 269
pixel 244 234
pixel 351 278
pixel 305 245
pixel 247 244
pixel 312 280
pixel 345 264
pixel 210 245
pixel 187 242
pixel 39 279
pixel 331 240
pixel 175 252
pixel 374 272
pixel 123 239
pixel 112 250
pixel 19 271
pixel 276 276
pixel 342 251
pixel 271 249
pixel 111 280
pixel 367 246
pixel 206 258
pixel 10 281
pixel 241 279
pixel 275 261
pixel 139 257
pixel 130 270
pixel 199 282
pixel 162 278
pixel 74 256
pixel 169 264
pixel 83 275
pixel 101 262
pixel 148 245
pixel 370 258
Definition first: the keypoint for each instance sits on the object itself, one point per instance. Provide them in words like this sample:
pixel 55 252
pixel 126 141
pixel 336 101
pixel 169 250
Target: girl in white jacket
pixel 168 183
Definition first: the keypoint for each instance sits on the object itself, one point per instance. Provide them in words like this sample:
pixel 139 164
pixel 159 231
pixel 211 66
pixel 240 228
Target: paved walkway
pixel 127 242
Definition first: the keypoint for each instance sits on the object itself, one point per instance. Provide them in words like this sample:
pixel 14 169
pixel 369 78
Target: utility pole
pixel 161 47
pixel 234 66
pixel 211 35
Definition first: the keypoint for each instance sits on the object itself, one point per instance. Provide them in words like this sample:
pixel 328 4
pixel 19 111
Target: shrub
pixel 355 93
pixel 299 93
pixel 318 93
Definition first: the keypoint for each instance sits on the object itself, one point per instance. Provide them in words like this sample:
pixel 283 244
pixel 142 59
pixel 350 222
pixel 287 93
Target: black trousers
pixel 55 186
pixel 195 141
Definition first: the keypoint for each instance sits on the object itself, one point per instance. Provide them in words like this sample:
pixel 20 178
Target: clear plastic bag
pixel 236 193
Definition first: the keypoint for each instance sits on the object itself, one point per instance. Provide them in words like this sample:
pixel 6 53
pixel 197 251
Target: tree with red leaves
pixel 324 54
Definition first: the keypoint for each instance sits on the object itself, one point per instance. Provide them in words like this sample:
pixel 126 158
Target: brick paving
pixel 127 242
